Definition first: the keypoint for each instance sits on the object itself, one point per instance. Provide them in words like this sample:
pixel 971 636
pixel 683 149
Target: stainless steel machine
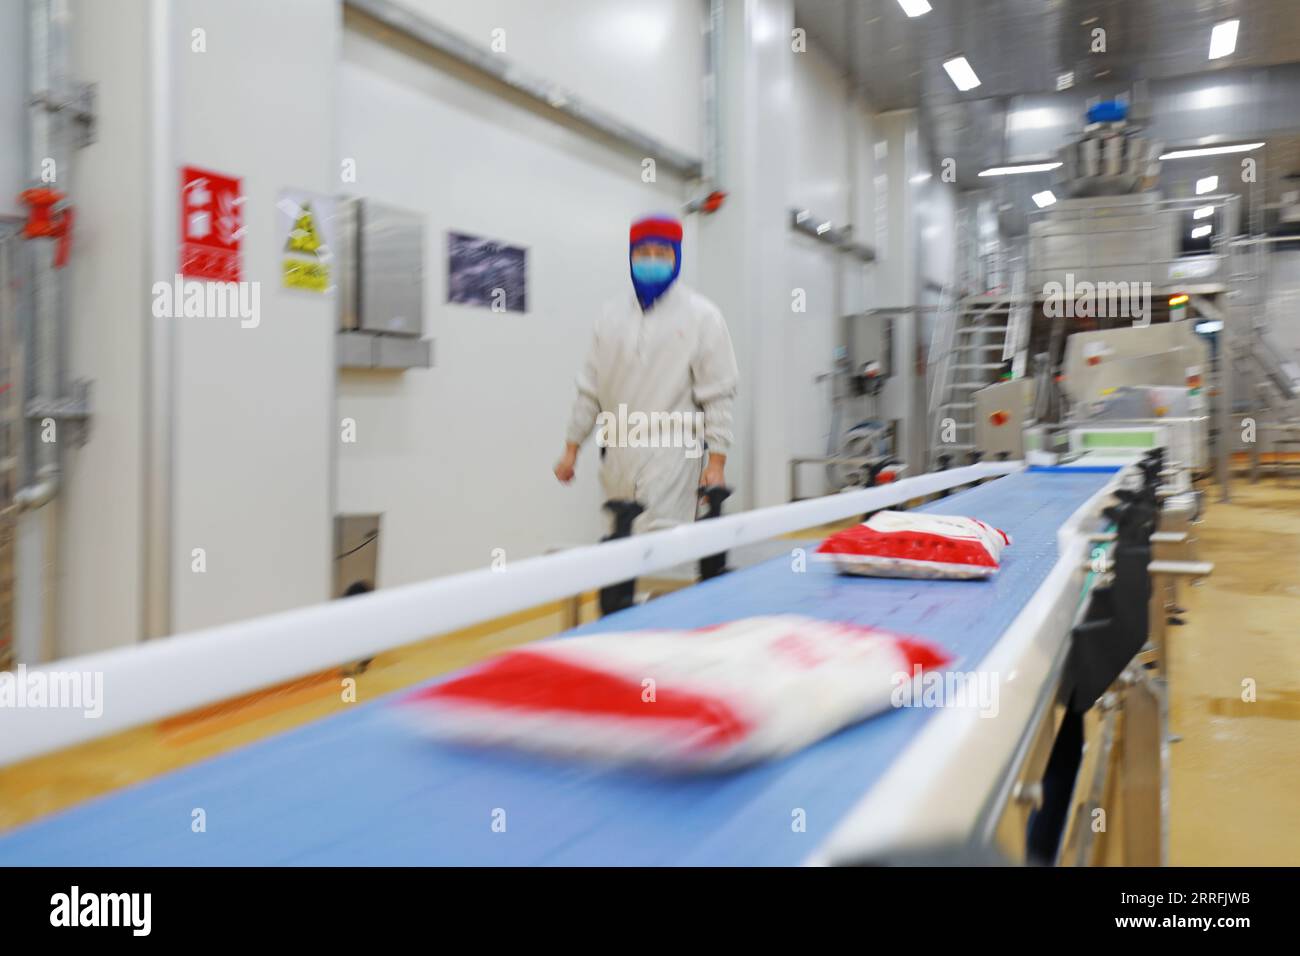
pixel 1129 388
pixel 1108 305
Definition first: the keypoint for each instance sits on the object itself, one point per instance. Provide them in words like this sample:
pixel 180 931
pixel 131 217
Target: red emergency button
pixel 999 418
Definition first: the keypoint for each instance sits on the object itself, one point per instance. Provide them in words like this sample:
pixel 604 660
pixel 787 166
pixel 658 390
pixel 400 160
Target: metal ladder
pixel 982 333
pixel 11 431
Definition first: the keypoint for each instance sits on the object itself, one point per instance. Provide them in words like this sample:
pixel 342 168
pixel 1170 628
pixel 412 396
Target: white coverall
pixel 675 358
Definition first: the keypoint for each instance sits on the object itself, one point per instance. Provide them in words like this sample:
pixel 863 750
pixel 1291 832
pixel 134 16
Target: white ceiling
pixel 1019 48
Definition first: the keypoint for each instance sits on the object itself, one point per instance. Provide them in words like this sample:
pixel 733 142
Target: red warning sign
pixel 212 225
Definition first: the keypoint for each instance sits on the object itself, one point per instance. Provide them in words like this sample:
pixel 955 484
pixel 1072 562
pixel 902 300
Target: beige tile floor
pixel 1234 777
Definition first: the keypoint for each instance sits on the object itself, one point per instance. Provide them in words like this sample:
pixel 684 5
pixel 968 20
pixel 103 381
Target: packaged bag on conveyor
pixel 908 544
pixel 709 698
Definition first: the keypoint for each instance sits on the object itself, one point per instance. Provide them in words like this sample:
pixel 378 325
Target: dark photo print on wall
pixel 487 273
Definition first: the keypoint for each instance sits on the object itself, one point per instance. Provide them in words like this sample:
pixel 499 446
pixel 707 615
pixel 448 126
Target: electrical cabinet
pixel 381 286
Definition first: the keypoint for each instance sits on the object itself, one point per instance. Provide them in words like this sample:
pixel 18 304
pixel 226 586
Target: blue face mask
pixel 652 272
pixel 652 277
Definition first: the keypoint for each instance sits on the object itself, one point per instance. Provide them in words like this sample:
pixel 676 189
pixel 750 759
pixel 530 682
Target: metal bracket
pixel 1029 793
pixel 70 414
pixel 1157 537
pixel 801 220
pixel 80 101
pixel 1186 569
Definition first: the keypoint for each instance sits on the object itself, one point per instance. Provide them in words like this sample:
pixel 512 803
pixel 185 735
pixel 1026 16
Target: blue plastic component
pixel 1076 469
pixel 360 788
pixel 1108 111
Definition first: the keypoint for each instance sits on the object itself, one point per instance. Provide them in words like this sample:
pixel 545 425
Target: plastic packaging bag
pixel 907 544
pixel 710 698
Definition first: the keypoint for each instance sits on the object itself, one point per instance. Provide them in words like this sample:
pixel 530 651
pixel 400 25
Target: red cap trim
pixel 669 230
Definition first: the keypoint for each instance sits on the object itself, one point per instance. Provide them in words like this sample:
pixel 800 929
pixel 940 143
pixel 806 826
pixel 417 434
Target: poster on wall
pixel 306 241
pixel 212 225
pixel 487 273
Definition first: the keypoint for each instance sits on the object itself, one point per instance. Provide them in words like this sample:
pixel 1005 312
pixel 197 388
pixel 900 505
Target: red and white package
pixel 908 544
pixel 710 698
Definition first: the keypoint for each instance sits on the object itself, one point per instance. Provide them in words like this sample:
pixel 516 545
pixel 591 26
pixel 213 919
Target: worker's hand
pixel 712 474
pixel 564 467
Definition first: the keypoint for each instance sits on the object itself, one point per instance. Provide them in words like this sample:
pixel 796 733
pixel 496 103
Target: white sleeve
pixel 715 379
pixel 587 405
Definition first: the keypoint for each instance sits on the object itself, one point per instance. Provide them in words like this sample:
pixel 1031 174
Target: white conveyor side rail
pixel 148 682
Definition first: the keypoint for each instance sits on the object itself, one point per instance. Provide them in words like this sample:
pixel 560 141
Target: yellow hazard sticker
pixel 306 238
pixel 300 274
pixel 303 237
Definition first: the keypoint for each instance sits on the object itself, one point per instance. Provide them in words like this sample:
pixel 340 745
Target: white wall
pixel 832 174
pixel 253 424
pixel 818 181
pixel 251 413
pixel 458 458
pixel 794 136
pixel 639 60
pixel 937 214
pixel 746 266
pixel 101 507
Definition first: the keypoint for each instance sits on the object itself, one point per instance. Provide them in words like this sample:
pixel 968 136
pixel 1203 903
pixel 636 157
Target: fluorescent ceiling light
pixel 1207 185
pixel 1045 198
pixel 1211 151
pixel 1203 213
pixel 961 73
pixel 1223 38
pixel 1200 232
pixel 921 178
pixel 1017 170
pixel 914 8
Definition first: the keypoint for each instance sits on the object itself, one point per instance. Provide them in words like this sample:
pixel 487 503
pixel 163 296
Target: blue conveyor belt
pixel 360 788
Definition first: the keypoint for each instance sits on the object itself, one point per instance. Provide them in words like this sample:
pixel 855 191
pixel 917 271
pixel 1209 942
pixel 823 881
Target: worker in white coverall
pixel 657 386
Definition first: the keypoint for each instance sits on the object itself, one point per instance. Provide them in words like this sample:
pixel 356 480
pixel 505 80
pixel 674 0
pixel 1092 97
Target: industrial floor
pixel 1234 774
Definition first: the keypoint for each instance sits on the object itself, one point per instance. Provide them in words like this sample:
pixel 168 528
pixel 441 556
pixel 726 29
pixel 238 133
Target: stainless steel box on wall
pixel 381 269
pixel 390 270
pixel 381 253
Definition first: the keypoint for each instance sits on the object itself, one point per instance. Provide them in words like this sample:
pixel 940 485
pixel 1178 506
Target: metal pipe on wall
pixel 60 119
pixel 11 432
pixel 542 94
pixel 36 552
pixel 1223 401
pixel 160 347
pixel 714 160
